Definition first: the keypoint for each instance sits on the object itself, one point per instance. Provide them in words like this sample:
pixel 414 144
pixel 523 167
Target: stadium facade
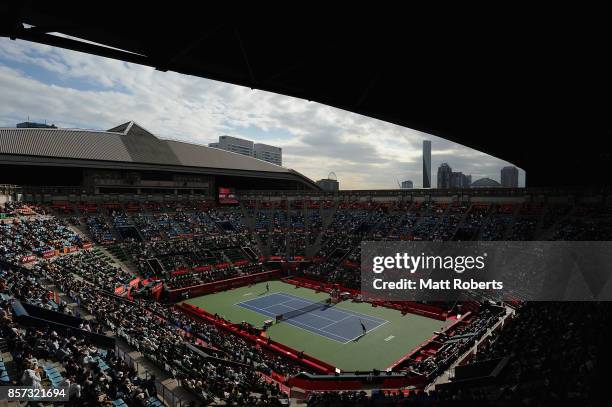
pixel 128 159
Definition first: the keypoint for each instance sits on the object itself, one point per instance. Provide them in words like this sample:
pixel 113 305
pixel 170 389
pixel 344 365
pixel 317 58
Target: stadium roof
pixel 521 88
pixel 130 143
pixel 485 183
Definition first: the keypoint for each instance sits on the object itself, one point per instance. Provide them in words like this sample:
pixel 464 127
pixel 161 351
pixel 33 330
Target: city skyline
pixel 71 89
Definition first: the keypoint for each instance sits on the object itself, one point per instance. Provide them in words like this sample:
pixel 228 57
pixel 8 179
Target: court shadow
pixel 358 338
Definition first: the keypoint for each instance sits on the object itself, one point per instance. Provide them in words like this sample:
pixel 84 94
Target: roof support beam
pixel 81 46
pixel 187 49
pixel 246 59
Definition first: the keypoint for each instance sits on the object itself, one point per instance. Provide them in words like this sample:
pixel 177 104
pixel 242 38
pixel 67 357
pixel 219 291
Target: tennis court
pixel 324 332
pixel 334 323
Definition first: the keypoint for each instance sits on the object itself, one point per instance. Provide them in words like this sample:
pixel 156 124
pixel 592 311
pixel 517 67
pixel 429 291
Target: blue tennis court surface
pixel 334 323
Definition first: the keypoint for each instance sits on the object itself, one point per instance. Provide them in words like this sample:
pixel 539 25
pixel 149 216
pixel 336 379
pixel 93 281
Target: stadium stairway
pixel 250 224
pixel 145 367
pixel 326 221
pixel 82 232
pixel 461 221
pixel 447 374
pixel 509 227
pixel 485 221
pixel 539 230
pixel 548 233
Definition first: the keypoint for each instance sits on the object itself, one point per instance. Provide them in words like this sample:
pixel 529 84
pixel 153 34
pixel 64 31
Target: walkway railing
pixel 163 392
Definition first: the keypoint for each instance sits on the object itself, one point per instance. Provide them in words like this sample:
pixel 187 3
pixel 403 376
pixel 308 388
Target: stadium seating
pixel 197 243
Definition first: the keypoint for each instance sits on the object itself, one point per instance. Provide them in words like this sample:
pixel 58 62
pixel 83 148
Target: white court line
pixel 376 327
pixel 245 301
pixel 344 311
pixel 281 303
pixel 305 327
pixel 256 309
pixel 309 313
pixel 367 332
pixel 323 327
pixel 290 320
pixel 308 327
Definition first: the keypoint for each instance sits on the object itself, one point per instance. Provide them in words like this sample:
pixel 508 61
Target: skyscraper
pixel 426 163
pixel 509 177
pixel 445 174
pixel 460 180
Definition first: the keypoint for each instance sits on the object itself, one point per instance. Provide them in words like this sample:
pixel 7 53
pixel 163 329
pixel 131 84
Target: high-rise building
pixel 407 184
pixel 235 145
pixel 460 180
pixel 445 173
pixel 269 153
pixel 509 177
pixel 426 163
pixel 261 151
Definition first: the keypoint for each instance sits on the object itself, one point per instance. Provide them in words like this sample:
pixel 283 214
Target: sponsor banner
pixel 28 259
pixel 157 290
pixel 499 271
pixel 179 272
pixel 87 246
pixel 48 254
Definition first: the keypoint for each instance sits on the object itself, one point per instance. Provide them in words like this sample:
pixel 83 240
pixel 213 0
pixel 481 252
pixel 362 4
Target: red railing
pixel 208 288
pixel 265 343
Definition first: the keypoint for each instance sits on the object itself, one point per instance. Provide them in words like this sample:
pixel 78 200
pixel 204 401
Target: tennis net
pixel 322 305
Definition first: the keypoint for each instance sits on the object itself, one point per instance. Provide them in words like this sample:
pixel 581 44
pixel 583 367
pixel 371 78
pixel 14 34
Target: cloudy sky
pixel 71 89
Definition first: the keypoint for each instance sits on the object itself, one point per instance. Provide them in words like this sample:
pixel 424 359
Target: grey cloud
pixel 364 152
